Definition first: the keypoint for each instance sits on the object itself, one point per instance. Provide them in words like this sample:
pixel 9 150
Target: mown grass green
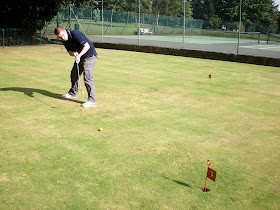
pixel 161 121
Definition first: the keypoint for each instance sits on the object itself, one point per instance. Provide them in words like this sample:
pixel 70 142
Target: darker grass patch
pixel 30 91
pixel 179 182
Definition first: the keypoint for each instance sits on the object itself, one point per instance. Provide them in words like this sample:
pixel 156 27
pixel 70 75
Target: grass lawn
pixel 161 121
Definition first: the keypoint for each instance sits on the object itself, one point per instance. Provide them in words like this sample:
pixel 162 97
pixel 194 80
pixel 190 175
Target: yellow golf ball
pixel 100 129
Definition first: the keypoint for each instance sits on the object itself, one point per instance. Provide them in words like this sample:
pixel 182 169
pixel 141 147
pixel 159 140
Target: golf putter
pixel 79 82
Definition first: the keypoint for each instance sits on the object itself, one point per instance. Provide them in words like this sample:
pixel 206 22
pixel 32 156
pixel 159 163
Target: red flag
pixel 211 174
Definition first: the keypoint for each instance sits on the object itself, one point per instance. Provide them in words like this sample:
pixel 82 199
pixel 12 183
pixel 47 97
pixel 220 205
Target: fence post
pixel 8 31
pixel 3 38
pixel 184 28
pixel 16 35
pixel 139 21
pixel 268 35
pixel 240 9
pixel 102 21
pixel 40 38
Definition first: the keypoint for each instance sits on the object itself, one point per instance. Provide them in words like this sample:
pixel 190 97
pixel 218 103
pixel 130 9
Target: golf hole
pixel 207 190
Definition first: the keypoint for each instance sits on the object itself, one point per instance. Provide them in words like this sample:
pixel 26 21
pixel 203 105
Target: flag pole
pixel 205 184
pixel 210 77
pixel 208 163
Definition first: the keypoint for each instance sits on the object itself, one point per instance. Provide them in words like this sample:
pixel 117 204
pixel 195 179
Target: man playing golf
pixel 79 46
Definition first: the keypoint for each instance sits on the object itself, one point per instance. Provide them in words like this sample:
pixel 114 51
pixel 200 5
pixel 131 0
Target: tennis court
pixel 203 43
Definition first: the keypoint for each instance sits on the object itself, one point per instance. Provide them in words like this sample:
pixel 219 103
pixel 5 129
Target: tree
pixel 278 23
pixel 227 10
pixel 165 7
pixel 198 9
pixel 30 15
pixel 206 10
pixel 116 5
pixel 171 8
pixel 257 15
pixel 87 4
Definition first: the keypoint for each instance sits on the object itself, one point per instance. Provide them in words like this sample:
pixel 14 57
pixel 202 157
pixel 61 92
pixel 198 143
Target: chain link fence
pixel 109 26
pixel 16 37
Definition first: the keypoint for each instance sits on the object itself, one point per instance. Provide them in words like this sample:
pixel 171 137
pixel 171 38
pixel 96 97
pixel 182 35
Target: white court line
pixel 263 47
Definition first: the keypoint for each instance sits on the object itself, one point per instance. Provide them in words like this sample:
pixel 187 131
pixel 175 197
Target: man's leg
pixel 88 66
pixel 74 80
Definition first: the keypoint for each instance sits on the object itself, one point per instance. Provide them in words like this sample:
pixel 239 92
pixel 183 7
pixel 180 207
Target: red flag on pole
pixel 211 174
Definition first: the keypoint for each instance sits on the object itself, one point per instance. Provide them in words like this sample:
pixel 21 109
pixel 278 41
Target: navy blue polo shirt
pixel 76 41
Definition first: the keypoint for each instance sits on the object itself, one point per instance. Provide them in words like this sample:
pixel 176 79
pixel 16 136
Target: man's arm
pixel 79 55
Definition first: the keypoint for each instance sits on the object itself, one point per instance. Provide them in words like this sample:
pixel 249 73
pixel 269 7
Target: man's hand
pixel 71 53
pixel 77 56
pixel 84 50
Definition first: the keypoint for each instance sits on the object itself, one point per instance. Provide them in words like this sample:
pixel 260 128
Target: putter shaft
pixel 79 82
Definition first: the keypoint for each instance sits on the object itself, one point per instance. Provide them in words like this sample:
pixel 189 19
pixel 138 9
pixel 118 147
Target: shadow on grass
pixel 29 92
pixel 178 182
